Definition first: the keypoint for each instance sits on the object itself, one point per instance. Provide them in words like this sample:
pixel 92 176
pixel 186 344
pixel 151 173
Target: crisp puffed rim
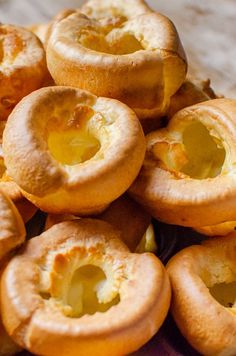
pixel 50 184
pixel 12 229
pixel 131 8
pixel 160 66
pixel 23 66
pixel 222 229
pixel 142 285
pixel 208 326
pixel 179 199
pixel 124 214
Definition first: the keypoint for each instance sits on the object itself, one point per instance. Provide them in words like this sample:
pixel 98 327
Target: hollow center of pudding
pixel 72 142
pixel 204 154
pixel 224 293
pixel 82 295
pixel 110 39
pixel 198 155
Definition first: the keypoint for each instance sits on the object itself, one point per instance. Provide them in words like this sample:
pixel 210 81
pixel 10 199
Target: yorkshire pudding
pixel 12 234
pixel 113 11
pixel 188 176
pixel 12 229
pixel 40 30
pixel 222 229
pixel 139 61
pixel 125 215
pixel 11 189
pixel 77 287
pixel 129 218
pixel 191 92
pixel 203 280
pixel 79 152
pixel 23 66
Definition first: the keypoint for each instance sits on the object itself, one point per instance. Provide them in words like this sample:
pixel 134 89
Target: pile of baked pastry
pixel 75 107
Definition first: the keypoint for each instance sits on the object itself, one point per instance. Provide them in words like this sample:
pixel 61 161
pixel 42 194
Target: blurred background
pixel 207 30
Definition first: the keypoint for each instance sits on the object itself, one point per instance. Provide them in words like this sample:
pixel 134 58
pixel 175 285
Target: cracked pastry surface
pixel 188 176
pixel 137 60
pixel 203 280
pixel 23 66
pixel 82 288
pixel 79 152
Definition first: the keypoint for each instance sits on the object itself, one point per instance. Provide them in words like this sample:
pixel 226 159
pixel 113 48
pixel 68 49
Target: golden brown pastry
pixel 79 152
pixel 23 66
pixel 124 214
pixel 191 92
pixel 128 217
pixel 203 280
pixel 40 30
pixel 7 346
pixel 188 174
pixel 10 188
pixel 12 234
pixel 222 229
pixel 78 287
pixel 139 60
pixel 12 229
pixel 111 11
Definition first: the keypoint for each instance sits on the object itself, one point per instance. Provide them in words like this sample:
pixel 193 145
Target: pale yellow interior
pixel 110 38
pixel 73 146
pixel 72 142
pixel 82 294
pixel 198 155
pixel 84 291
pixel 224 293
pixel 220 278
pixel 148 242
pixel 205 155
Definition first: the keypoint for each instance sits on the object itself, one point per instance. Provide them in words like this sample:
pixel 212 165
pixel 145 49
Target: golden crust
pixel 12 229
pixel 128 217
pixel 209 326
pixel 41 325
pixel 190 93
pixel 86 187
pixel 165 187
pixel 141 63
pixel 108 9
pixel 222 229
pixel 11 189
pixel 124 214
pixel 25 207
pixel 23 66
pixel 7 346
pixel 40 30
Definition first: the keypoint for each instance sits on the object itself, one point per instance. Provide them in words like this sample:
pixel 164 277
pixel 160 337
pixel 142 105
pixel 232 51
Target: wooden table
pixel 207 29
